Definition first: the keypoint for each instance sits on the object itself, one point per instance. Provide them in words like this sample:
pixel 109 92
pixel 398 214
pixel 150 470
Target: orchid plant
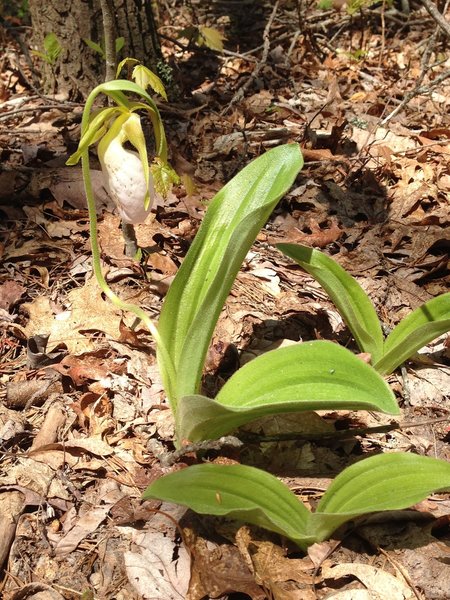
pixel 308 376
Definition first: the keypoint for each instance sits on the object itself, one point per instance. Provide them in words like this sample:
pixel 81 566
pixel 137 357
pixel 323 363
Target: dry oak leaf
pixel 379 584
pixel 10 293
pixel 87 312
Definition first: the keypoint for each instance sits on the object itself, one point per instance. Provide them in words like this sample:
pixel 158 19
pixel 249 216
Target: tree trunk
pixel 78 68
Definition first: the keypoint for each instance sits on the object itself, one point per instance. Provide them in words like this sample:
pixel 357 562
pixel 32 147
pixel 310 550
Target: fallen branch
pixel 437 16
pixel 420 89
pixel 241 91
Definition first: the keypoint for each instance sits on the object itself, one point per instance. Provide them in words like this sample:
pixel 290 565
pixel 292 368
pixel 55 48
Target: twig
pixel 171 457
pixel 403 572
pixel 12 113
pixel 243 437
pixel 110 44
pixel 383 34
pixel 417 91
pixel 418 88
pixel 241 91
pixel 437 16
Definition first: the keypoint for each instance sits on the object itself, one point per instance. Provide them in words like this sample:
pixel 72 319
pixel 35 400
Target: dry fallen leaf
pixel 287 578
pixel 380 584
pixel 84 526
pixel 87 312
pixel 157 568
pixel 10 293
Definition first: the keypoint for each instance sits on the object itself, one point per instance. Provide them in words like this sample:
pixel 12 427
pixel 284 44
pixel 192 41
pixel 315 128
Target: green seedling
pixel 143 76
pixel 380 483
pixel 52 49
pixel 420 327
pixel 119 43
pixel 203 36
pixel 355 6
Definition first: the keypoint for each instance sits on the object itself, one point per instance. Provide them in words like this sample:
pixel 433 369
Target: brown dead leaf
pixel 423 558
pixel 111 239
pixel 53 423
pixel 60 229
pixel 84 526
pixel 319 238
pixel 158 562
pixel 273 569
pixel 36 591
pixel 310 154
pixel 218 569
pixel 357 594
pixel 66 185
pixel 39 476
pixel 88 312
pixel 94 412
pixel 92 445
pixel 128 335
pixel 87 367
pixel 258 104
pixel 162 262
pixel 85 402
pixel 429 386
pixel 380 584
pixel 10 293
pixel 11 506
pixel 31 249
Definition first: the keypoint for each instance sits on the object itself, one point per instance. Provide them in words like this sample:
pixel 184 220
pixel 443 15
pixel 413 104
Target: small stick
pixel 108 32
pixel 437 16
pixel 419 88
pixel 170 458
pixel 241 91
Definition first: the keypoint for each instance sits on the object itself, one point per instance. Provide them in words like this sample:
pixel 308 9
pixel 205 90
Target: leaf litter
pixel 91 424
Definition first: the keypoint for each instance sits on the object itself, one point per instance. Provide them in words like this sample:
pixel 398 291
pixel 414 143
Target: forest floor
pixel 83 416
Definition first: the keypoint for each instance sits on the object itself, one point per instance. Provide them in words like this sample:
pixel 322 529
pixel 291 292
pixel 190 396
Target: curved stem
pixel 169 366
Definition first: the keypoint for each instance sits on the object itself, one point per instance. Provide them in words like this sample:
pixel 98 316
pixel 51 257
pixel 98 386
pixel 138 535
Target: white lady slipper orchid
pixel 126 173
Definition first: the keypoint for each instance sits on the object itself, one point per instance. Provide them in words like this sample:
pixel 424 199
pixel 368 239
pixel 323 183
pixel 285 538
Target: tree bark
pixel 78 68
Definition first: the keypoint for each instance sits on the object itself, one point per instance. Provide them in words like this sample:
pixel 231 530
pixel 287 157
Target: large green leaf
pixel 423 325
pixel 379 483
pixel 199 290
pixel 384 482
pixel 238 492
pixel 350 299
pixel 315 375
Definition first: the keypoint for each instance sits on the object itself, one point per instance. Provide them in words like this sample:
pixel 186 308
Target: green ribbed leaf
pixel 380 483
pixel 199 290
pixel 350 299
pixel 385 482
pixel 238 492
pixel 420 327
pixel 315 375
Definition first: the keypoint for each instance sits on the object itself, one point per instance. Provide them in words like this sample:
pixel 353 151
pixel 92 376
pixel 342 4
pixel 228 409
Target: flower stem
pixel 125 306
pixel 129 236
